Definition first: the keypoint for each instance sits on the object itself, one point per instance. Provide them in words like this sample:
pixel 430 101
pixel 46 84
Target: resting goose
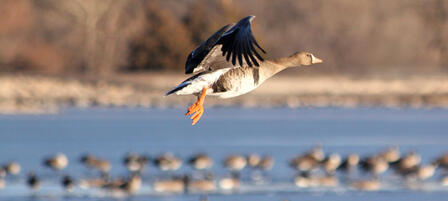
pixel 228 65
pixel 374 164
pixel 12 168
pixel 305 180
pixel 67 183
pixel 201 161
pixel 235 162
pixel 92 162
pixel 350 162
pixel 168 162
pixel 56 162
pixel 331 163
pixel 367 185
pixel 174 185
pixel 135 162
pixel 33 181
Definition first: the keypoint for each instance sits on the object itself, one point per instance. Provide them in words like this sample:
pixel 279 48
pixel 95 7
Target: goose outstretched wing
pixel 231 44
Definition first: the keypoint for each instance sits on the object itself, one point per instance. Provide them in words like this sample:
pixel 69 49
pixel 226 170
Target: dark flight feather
pixel 237 45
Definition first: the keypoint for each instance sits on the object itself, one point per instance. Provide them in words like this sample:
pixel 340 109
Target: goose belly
pixel 195 86
pixel 232 86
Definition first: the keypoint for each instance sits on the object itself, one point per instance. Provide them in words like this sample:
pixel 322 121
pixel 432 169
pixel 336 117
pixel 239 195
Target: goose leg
pixel 197 109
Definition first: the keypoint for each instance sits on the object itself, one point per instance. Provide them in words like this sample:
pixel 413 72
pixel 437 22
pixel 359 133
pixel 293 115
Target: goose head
pixel 304 59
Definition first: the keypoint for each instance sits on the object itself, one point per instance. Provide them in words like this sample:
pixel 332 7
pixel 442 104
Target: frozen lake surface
pixel 282 133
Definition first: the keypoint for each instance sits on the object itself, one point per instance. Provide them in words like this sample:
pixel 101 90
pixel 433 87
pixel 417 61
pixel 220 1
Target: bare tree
pixel 107 26
pixel 435 16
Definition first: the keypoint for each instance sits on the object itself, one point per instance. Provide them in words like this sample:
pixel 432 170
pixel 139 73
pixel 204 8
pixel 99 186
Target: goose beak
pixel 250 17
pixel 315 60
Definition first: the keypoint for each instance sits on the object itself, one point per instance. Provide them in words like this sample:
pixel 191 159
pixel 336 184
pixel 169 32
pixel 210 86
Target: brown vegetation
pixel 103 37
pixel 39 94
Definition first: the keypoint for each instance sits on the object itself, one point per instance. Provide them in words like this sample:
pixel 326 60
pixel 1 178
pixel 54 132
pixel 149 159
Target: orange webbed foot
pixel 196 110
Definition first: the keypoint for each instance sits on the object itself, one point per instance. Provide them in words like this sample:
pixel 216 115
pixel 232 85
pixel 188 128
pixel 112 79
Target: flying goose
pixel 228 65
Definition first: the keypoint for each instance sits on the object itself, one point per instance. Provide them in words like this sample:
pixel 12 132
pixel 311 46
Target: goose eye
pixel 311 57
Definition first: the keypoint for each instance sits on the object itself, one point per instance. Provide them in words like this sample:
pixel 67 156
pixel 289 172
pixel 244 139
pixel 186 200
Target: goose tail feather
pixel 181 86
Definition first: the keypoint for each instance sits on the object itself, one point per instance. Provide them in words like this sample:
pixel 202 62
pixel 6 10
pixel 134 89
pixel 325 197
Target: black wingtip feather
pixel 238 42
pixel 255 41
pixel 228 56
pixel 171 92
pixel 246 57
pixel 252 48
pixel 254 60
pixel 239 52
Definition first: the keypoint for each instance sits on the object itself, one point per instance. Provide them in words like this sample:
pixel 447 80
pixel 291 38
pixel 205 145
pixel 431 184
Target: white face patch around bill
pixel 315 60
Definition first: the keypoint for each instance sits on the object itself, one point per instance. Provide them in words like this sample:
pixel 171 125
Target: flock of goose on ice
pixel 314 169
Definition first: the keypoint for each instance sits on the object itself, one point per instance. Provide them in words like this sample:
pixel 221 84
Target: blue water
pixel 281 132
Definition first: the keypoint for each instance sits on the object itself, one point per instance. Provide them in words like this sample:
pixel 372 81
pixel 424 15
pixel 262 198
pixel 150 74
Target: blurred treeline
pixel 110 36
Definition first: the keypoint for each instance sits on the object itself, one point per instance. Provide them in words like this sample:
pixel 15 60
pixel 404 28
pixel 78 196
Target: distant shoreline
pixel 28 94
